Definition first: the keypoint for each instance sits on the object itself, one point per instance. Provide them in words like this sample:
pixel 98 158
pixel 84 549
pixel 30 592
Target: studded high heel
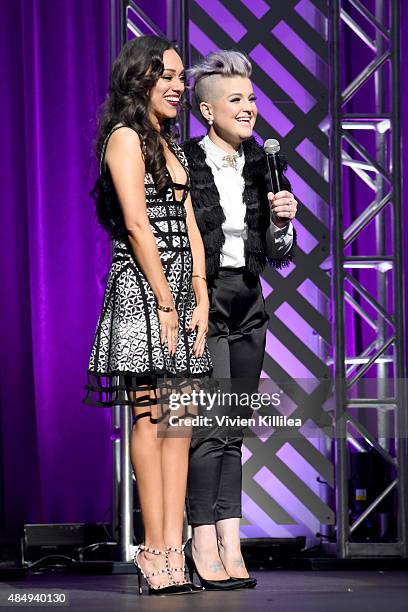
pixel 169 588
pixel 180 551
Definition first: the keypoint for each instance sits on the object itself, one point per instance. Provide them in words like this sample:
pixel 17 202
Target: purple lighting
pixel 304 331
pixel 291 364
pixel 196 128
pixel 298 47
pixel 306 241
pixel 284 496
pixel 246 454
pixel 280 123
pixel 266 288
pixel 310 152
pixel 297 463
pixel 255 514
pixel 258 7
pixel 306 194
pixel 283 78
pixel 309 12
pixel 231 25
pixel 308 288
pixel 200 41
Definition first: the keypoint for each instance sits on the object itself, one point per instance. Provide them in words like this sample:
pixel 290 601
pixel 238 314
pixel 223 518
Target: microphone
pixel 272 148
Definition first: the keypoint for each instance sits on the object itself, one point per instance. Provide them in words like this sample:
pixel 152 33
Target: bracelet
pixel 199 276
pixel 165 308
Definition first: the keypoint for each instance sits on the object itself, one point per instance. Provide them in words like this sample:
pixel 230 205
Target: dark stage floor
pixel 283 591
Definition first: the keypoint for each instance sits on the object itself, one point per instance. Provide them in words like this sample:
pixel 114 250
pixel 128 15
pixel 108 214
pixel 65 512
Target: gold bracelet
pixel 165 308
pixel 199 276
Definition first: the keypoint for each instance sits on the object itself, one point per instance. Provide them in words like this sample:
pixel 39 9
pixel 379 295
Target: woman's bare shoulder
pixel 124 141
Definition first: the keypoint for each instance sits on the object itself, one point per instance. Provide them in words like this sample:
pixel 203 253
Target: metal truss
pixel 367 275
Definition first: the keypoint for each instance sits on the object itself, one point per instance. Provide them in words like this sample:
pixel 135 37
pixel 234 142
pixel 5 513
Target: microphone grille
pixel 271 146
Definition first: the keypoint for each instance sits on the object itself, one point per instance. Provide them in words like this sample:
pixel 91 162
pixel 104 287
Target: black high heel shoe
pixel 209 585
pixel 171 588
pixel 246 583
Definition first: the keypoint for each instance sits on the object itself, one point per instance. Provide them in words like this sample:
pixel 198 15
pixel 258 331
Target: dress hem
pixel 103 391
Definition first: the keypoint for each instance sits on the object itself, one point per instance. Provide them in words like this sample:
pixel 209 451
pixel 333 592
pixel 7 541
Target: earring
pixel 210 122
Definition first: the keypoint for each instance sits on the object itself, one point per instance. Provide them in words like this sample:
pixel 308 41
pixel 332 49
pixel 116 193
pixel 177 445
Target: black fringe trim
pixel 108 389
pixel 210 216
pixel 288 258
pixel 206 201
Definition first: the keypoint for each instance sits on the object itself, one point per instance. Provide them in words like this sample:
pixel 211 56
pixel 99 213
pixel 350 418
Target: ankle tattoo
pixel 215 566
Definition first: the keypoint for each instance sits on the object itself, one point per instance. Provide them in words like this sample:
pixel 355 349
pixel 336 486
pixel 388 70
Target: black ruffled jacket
pixel 210 215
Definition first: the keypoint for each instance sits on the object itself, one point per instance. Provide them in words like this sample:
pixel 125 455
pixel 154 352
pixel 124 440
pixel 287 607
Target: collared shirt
pixel 230 185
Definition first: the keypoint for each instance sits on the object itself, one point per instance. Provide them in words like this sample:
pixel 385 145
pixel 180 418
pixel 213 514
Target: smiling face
pixel 166 93
pixel 231 106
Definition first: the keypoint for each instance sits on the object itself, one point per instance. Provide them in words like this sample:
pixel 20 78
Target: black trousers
pixel 236 340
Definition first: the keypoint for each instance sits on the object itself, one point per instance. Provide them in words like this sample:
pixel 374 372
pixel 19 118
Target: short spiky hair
pixel 217 64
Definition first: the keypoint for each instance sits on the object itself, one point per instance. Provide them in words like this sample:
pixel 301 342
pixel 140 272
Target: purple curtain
pixel 55 453
pixel 155 11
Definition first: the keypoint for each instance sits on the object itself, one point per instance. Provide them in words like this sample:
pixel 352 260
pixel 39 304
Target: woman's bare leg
pixel 230 547
pixel 205 553
pixel 174 467
pixel 146 457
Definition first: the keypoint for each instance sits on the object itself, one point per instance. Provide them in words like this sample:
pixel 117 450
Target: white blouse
pixel 230 184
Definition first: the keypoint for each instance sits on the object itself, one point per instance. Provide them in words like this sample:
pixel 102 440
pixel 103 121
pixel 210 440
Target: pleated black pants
pixel 236 340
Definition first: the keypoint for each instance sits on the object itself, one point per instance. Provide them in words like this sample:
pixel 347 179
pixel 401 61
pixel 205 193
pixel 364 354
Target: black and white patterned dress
pixel 126 351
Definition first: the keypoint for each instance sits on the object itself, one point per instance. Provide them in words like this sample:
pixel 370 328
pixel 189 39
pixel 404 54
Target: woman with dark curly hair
pixel 154 316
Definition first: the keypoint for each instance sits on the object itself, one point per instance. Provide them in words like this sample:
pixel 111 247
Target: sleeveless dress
pixel 127 353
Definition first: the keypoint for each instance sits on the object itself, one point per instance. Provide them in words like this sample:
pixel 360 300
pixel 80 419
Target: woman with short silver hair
pixel 242 232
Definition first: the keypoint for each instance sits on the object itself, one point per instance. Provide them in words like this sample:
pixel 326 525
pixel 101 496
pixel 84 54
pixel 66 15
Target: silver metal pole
pixel 115 519
pixel 325 444
pixel 383 420
pixel 338 284
pixel 400 365
pixel 373 505
pixel 126 487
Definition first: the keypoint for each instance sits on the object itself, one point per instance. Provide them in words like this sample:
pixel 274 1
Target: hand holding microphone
pixel 282 203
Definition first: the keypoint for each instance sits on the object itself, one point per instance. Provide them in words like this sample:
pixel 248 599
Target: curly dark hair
pixel 135 71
